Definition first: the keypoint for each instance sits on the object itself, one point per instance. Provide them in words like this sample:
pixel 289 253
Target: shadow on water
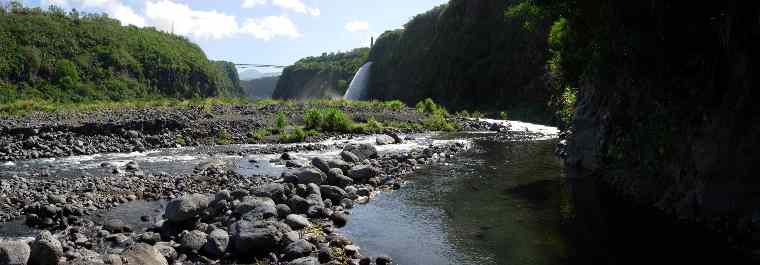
pixel 495 204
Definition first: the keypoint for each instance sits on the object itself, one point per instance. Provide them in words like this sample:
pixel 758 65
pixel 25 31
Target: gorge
pixel 425 148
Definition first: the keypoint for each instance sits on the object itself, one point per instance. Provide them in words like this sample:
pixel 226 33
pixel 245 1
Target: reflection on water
pixel 496 204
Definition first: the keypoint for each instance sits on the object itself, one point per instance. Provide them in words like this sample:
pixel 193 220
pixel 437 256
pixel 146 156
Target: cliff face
pixel 666 113
pixel 326 76
pixel 260 88
pixel 309 83
pixel 465 54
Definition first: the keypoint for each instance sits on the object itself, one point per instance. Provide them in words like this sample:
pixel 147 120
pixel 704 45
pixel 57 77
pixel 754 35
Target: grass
pixel 25 107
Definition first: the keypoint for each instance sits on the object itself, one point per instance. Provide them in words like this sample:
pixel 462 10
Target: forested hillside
pixel 325 76
pixel 72 57
pixel 487 54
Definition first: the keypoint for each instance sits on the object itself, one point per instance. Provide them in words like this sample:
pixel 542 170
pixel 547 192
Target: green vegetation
pixel 258 135
pixel 504 115
pixel 328 120
pixel 223 137
pixel 297 135
pixel 24 107
pixel 487 56
pixel 57 57
pixel 280 122
pixel 323 76
pixel 180 140
pixel 436 119
pixel 395 104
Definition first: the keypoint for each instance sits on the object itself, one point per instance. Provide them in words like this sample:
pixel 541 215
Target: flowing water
pixel 357 90
pixel 496 204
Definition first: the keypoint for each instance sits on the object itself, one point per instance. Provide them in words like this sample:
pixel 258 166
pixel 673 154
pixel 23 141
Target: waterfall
pixel 357 90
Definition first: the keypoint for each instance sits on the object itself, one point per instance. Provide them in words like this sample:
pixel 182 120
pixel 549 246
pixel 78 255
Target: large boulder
pixel 305 261
pixel 192 241
pixel 14 252
pixel 218 241
pixel 275 191
pixel 326 164
pixel 336 177
pixel 300 248
pixel 384 140
pixel 46 249
pixel 362 151
pixel 297 221
pixel 257 237
pixel 305 175
pixel 350 157
pixel 186 208
pixel 333 193
pixel 362 173
pixel 257 207
pixel 143 254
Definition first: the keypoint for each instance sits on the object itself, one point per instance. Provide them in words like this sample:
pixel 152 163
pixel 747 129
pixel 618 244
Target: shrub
pixel 223 137
pixel 503 115
pixel 427 106
pixel 298 135
pixel 394 104
pixel 568 105
pixel 328 120
pixel 438 122
pixel 258 135
pixel 180 140
pixel 280 122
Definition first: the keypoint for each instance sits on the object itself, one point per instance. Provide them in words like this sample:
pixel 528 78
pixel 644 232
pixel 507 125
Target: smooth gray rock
pixel 166 250
pixel 298 204
pixel 340 219
pixel 14 252
pixel 333 193
pixel 186 208
pixel 350 157
pixel 257 237
pixel 305 261
pixel 336 177
pixel 298 249
pixel 297 221
pixel 362 151
pixel 275 191
pixel 384 140
pixel 283 210
pixel 308 175
pixel 218 241
pixel 46 249
pixel 257 207
pixel 143 254
pixel 192 240
pixel 362 173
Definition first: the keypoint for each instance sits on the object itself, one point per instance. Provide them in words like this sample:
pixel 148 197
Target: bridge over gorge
pixel 250 65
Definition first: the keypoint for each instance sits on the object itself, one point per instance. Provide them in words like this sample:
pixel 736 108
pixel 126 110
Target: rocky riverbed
pixel 214 215
pixel 66 175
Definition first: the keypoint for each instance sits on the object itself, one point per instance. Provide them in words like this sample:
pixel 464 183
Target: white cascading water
pixel 357 90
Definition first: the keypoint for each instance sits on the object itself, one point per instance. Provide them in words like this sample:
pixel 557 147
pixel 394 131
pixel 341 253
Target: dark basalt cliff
pixel 466 54
pixel 666 114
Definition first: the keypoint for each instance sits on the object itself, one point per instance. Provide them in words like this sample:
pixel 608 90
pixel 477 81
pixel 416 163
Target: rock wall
pixel 666 113
pixel 465 54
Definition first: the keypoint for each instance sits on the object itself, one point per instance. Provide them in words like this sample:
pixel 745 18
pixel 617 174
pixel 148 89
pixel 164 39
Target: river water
pixel 498 203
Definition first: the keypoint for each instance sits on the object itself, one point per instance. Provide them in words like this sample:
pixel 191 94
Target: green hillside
pixel 323 76
pixel 71 57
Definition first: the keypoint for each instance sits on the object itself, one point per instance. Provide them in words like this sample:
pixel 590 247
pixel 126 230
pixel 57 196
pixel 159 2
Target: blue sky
pixel 261 31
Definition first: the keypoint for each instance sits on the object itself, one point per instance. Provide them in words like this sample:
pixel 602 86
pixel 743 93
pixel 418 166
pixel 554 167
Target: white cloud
pixel 167 15
pixel 114 8
pixel 358 25
pixel 270 27
pixel 297 6
pixel 180 18
pixel 252 3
